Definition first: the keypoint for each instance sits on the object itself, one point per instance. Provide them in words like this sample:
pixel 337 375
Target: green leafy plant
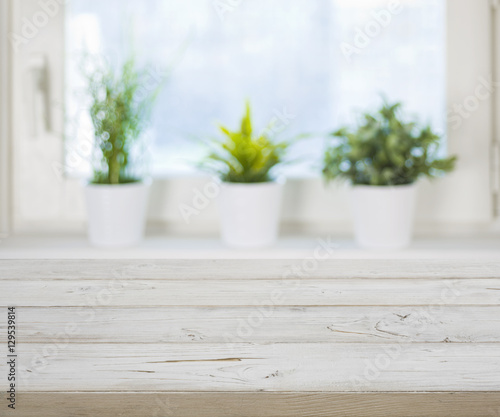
pixel 384 150
pixel 244 157
pixel 120 108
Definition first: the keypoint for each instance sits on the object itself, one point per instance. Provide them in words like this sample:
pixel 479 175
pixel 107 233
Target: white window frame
pixel 5 119
pixel 43 202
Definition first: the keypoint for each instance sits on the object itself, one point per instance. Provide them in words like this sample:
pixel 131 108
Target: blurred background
pixel 296 57
pixel 313 65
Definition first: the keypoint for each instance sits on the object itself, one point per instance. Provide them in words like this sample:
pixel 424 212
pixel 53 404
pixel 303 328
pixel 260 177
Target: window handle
pixel 38 99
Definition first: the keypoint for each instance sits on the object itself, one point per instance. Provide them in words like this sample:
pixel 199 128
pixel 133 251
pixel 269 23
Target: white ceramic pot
pixel 116 213
pixel 250 213
pixel 383 215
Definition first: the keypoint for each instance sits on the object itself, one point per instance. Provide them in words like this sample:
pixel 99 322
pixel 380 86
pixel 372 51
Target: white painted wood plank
pixel 245 269
pixel 247 292
pixel 245 404
pixel 247 367
pixel 258 325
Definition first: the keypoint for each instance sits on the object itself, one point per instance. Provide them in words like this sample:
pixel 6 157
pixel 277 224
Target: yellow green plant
pixel 243 156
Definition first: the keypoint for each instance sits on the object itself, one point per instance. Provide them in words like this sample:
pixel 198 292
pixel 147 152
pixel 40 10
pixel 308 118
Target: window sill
pixel 161 247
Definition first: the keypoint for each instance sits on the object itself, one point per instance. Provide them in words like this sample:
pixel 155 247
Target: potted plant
pixel 116 197
pixel 250 195
pixel 383 158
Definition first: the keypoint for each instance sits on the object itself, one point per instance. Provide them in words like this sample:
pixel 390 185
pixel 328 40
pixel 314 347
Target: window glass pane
pixel 309 65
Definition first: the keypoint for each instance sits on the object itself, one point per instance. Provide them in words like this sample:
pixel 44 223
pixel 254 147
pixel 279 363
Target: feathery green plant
pixel 385 151
pixel 244 157
pixel 120 109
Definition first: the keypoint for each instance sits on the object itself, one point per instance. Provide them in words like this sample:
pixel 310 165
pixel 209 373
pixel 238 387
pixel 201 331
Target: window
pixel 296 51
pixel 308 64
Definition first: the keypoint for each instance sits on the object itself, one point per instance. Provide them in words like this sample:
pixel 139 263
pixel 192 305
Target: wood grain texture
pixel 248 338
pixel 319 404
pixel 248 367
pixel 309 292
pixel 245 269
pixel 372 324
